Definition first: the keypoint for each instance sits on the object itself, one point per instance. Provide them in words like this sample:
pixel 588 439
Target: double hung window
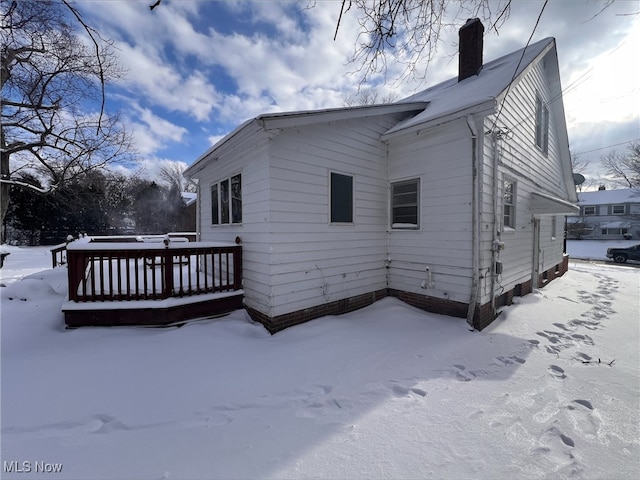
pixel 405 199
pixel 542 125
pixel 509 204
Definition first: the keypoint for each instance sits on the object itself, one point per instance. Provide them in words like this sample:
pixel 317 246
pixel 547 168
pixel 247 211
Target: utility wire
pixel 608 146
pixel 577 82
pixel 524 50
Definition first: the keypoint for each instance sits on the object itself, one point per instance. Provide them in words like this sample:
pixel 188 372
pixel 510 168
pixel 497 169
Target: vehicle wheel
pixel 620 258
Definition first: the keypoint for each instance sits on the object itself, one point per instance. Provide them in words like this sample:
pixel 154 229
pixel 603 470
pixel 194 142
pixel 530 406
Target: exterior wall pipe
pixel 475 236
pixel 495 234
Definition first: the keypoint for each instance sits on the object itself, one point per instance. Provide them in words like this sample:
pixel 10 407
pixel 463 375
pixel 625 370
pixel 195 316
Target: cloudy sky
pixel 198 68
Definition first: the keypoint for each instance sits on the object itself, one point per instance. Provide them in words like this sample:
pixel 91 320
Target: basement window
pixel 405 198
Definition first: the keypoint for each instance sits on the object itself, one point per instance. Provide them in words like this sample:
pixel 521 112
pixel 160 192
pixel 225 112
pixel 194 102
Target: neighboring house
pixel 606 215
pixel 452 200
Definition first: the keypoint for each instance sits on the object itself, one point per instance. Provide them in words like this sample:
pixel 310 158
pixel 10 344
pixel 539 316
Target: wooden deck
pixel 157 283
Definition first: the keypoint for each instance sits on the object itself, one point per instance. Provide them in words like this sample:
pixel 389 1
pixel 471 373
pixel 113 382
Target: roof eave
pixel 485 107
pixel 271 121
pixel 202 161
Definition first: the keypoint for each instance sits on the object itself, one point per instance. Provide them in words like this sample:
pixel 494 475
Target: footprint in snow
pixel 462 374
pixel 584 403
pixel 567 440
pixel 401 391
pixel 584 356
pixel 582 414
pixel 510 360
pixel 557 372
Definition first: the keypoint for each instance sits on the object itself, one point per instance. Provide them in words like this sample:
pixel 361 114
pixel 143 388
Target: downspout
pixel 496 234
pixel 475 251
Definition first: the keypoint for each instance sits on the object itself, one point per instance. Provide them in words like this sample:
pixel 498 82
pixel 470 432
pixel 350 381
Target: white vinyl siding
pixel 315 260
pixel 251 159
pixel 532 169
pixel 441 159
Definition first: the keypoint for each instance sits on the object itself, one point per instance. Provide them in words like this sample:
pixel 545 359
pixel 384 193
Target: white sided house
pixel 452 200
pixel 606 215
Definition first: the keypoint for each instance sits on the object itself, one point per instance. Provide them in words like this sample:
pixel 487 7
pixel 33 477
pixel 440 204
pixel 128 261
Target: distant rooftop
pixel 605 197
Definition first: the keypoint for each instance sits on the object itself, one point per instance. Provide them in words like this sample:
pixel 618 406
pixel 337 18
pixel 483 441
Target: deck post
pixel 237 267
pixel 167 272
pixel 76 266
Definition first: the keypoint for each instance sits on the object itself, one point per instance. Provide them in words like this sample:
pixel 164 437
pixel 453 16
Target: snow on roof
pixel 605 197
pixel 189 197
pixel 452 96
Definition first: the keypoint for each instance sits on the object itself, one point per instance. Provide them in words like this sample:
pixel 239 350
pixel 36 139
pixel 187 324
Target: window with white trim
pixel 617 209
pixel 341 198
pixel 614 231
pixel 405 199
pixel 226 201
pixel 554 227
pixel 509 204
pixel 542 125
pixel 589 210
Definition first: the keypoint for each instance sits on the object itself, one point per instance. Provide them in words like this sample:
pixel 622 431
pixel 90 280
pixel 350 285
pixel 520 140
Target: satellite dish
pixel 578 179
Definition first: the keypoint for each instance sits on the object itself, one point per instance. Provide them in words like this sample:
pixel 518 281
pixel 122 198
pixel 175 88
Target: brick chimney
pixel 470 56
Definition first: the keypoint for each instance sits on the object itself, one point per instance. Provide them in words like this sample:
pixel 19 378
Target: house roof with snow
pixel 607 197
pixel 452 97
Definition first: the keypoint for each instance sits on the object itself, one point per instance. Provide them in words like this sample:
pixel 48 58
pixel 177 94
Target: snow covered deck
pixel 151 283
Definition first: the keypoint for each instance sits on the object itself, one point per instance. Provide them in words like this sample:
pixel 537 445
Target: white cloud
pixel 607 89
pixel 152 133
pixel 174 53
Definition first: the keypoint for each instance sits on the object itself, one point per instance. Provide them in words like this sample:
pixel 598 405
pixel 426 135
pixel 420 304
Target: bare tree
pixel 173 175
pixel 408 31
pixel 579 166
pixel 624 169
pixel 368 97
pixel 50 74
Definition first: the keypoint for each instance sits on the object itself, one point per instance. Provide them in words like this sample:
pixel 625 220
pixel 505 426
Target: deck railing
pixel 132 271
pixel 59 252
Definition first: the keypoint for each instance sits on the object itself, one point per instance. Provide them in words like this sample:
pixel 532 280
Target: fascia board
pixel 298 119
pixel 239 135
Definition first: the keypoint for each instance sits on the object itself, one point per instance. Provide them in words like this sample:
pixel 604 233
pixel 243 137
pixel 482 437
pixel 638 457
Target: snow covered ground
pixel 549 390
